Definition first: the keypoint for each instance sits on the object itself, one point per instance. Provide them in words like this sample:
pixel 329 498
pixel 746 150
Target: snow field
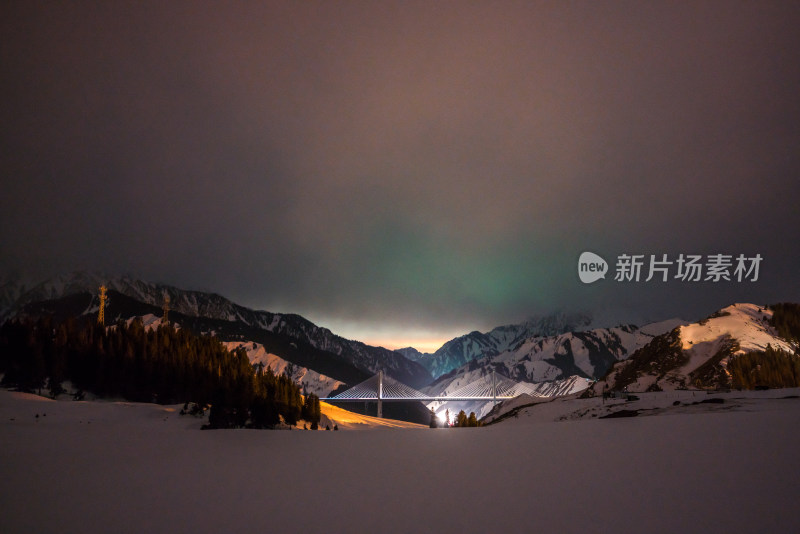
pixel 141 468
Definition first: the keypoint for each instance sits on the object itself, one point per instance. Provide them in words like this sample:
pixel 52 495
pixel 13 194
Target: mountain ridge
pixel 698 354
pixel 559 359
pixel 198 304
pixel 476 345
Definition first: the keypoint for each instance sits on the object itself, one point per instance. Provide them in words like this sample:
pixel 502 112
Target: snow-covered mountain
pixel 554 358
pixel 311 381
pixel 549 365
pixel 412 354
pixel 476 345
pixel 210 305
pixel 588 354
pixel 697 354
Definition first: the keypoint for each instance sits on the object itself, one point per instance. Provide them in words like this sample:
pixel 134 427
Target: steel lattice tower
pixel 101 315
pixel 165 320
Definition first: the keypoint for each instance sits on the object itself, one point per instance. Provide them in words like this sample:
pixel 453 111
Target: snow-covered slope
pixel 575 407
pixel 558 388
pixel 697 354
pixel 347 420
pixel 311 381
pixel 748 324
pixel 566 386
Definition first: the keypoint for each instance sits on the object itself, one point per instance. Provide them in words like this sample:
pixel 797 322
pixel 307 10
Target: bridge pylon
pixel 380 393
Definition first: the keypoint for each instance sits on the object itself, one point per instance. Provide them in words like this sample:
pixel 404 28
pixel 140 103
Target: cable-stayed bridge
pixel 382 389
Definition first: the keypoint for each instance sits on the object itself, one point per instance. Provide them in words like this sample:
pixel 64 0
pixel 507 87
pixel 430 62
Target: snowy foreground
pixel 120 467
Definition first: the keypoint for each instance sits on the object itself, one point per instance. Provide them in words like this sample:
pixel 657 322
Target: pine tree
pixel 461 419
pixel 305 412
pixel 167 365
pixel 772 368
pixel 472 421
pixel 317 412
pixel 311 409
pixel 433 419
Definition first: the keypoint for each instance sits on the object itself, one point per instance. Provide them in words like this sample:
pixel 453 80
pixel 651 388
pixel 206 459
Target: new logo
pixel 591 267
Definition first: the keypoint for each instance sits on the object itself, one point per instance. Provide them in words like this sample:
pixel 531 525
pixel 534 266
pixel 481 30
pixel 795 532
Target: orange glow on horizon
pixel 425 344
pixel 392 336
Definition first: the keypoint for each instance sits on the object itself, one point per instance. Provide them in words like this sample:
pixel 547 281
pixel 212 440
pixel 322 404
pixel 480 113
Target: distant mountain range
pixel 558 364
pixel 207 312
pixel 476 345
pixel 555 355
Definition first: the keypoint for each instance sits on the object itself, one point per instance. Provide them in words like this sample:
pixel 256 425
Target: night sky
pixel 404 172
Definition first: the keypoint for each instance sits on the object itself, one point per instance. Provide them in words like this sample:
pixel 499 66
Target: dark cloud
pixel 432 167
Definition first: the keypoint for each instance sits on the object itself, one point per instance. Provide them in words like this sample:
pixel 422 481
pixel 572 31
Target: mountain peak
pixel 475 345
pixel 698 354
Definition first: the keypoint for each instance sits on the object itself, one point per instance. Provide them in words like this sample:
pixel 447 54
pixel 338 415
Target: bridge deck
pixel 422 399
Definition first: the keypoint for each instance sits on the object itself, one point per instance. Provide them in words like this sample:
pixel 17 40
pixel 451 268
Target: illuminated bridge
pixel 382 389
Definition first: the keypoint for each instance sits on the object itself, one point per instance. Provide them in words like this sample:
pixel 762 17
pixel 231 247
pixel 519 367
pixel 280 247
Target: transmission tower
pixel 101 315
pixel 165 320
